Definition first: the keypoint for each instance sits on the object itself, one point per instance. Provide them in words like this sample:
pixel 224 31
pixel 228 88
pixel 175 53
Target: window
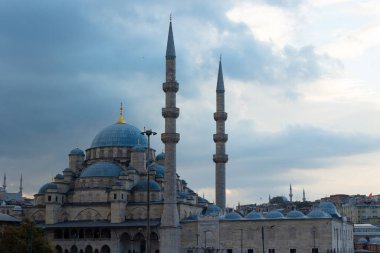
pixel 271 251
pixel 229 251
pixel 314 250
pixel 49 198
pixel 250 251
pixel 114 196
pixel 292 251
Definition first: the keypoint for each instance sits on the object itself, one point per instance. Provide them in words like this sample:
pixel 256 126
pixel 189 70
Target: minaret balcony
pixel 220 158
pixel 170 137
pixel 220 138
pixel 171 112
pixel 171 86
pixel 220 116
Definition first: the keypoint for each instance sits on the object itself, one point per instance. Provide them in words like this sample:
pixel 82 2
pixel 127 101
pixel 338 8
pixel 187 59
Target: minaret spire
pixel 5 182
pixel 290 193
pixel 121 119
pixel 170 229
pixel 303 195
pixel 21 184
pixel 220 138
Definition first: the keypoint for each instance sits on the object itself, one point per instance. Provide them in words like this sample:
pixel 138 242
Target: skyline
pixel 300 80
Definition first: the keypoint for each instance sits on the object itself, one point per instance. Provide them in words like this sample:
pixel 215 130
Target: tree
pixel 23 238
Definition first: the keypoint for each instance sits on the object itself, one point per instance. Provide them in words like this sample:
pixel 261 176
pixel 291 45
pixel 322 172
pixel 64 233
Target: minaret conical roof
pixel 220 83
pixel 170 48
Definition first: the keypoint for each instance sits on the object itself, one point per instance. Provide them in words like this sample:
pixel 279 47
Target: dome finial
pixel 121 119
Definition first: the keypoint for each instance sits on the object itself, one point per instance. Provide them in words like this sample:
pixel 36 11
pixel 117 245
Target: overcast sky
pixel 301 80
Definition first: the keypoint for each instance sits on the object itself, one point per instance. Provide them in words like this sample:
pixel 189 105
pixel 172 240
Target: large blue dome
pixel 102 169
pixel 119 135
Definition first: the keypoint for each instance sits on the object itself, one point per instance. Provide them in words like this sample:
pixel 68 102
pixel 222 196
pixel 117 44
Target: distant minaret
pixel 21 185
pixel 5 182
pixel 170 230
pixel 290 193
pixel 220 138
pixel 303 195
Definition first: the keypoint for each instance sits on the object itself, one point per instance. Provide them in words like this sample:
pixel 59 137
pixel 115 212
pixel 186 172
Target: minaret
pixel 290 193
pixel 170 230
pixel 303 195
pixel 220 138
pixel 5 183
pixel 20 185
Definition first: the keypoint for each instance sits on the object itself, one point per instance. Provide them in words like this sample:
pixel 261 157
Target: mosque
pixel 120 196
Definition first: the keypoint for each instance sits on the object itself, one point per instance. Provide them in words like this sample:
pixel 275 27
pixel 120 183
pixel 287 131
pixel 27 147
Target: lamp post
pixel 262 236
pixel 206 239
pixel 148 133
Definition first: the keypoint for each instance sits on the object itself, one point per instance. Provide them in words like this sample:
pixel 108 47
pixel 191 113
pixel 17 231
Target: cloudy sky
pixel 301 79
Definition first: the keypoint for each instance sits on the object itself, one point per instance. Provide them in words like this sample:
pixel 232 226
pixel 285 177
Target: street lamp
pixel 262 236
pixel 148 133
pixel 205 232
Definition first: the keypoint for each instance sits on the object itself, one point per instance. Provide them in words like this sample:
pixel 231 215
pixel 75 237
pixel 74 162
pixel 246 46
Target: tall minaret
pixel 5 183
pixel 170 230
pixel 303 195
pixel 220 138
pixel 20 185
pixel 290 193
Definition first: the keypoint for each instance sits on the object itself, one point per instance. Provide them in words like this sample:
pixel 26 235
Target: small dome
pixel 375 240
pixel 362 240
pixel 46 187
pixel 159 169
pixel 102 169
pixel 143 186
pixel 119 135
pixel 58 176
pixel 274 215
pixel 316 213
pixel 139 148
pixel 160 156
pixel 329 208
pixel 295 214
pixel 212 210
pixel 201 200
pixel 76 151
pixel 232 216
pixel 67 170
pixel 254 216
pixel 17 208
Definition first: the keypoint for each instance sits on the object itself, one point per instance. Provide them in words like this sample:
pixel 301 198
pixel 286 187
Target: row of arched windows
pixel 87 249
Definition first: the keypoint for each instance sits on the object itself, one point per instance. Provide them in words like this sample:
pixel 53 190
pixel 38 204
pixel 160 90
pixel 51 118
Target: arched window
pixel 74 249
pixel 58 249
pixel 88 249
pixel 105 249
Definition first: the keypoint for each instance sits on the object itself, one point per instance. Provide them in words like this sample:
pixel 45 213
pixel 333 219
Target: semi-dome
pixel 274 215
pixel 329 208
pixel 232 216
pixel 295 214
pixel 316 213
pixel 119 135
pixel 102 169
pixel 201 200
pixel 76 151
pixel 139 148
pixel 192 217
pixel 254 216
pixel 48 186
pixel 143 186
pixel 159 169
pixel 211 210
